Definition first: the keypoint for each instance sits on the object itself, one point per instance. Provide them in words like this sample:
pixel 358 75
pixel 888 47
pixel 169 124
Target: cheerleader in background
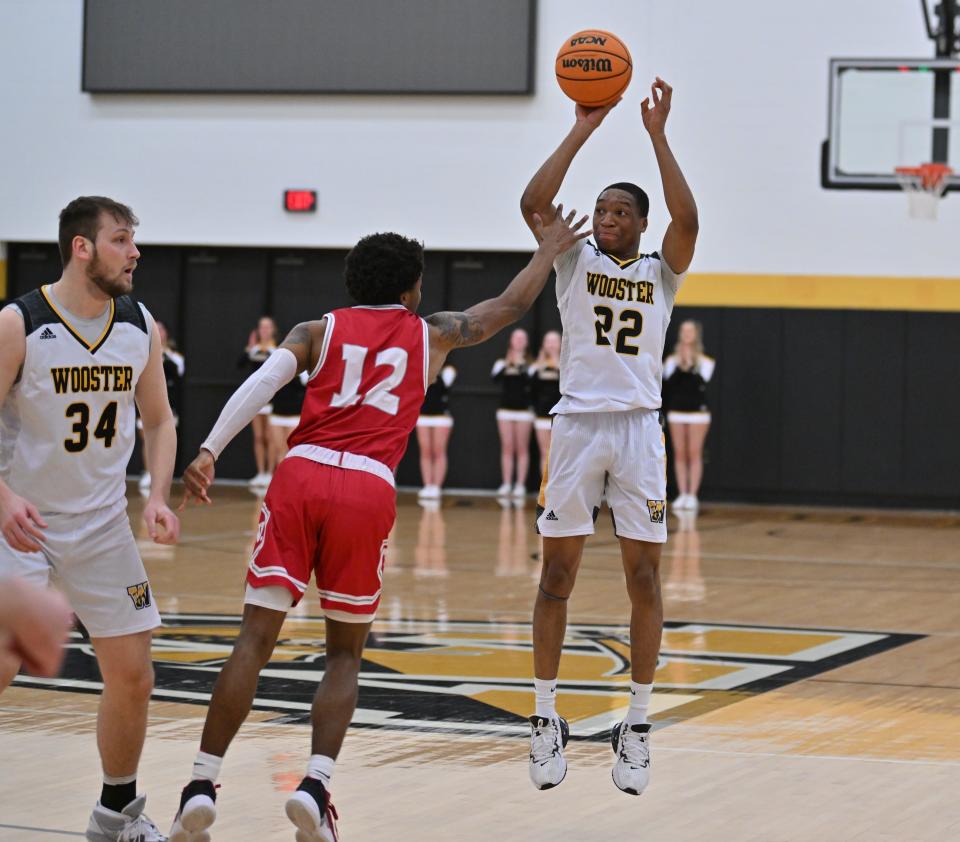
pixel 433 432
pixel 545 383
pixel 514 417
pixel 262 343
pixel 287 403
pixel 686 373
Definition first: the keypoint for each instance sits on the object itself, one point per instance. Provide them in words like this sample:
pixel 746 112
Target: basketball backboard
pixel 889 113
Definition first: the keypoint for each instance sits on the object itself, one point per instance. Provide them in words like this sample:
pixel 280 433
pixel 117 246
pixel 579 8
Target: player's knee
pixel 255 644
pixel 643 582
pixel 134 680
pixel 344 662
pixel 557 578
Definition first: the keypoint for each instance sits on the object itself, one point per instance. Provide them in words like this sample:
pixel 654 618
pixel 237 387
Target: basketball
pixel 593 67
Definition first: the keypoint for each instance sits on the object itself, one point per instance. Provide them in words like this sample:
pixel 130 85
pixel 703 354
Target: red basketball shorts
pixel 329 521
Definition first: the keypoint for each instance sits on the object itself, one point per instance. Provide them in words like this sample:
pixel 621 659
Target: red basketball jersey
pixel 365 394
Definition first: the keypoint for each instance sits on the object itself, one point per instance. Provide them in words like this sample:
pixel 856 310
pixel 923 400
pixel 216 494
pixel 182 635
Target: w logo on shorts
pixel 261 531
pixel 657 510
pixel 140 594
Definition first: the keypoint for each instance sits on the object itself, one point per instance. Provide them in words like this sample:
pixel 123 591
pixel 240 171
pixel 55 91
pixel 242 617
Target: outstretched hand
pixel 655 116
pixel 593 117
pixel 560 233
pixel 197 478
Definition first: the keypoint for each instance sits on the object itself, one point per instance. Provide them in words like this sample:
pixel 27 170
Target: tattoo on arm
pixel 458 329
pixel 299 341
pixel 300 335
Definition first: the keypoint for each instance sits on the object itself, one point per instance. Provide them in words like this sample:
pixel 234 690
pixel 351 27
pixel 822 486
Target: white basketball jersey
pixel 67 425
pixel 615 315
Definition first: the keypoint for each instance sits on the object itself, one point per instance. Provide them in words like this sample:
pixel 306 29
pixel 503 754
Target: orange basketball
pixel 593 67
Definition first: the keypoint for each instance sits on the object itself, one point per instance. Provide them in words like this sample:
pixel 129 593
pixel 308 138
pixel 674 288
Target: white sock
pixel 639 702
pixel 206 767
pixel 546 693
pixel 126 779
pixel 321 768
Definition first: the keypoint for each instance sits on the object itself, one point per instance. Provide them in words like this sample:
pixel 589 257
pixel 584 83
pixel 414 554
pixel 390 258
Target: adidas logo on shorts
pixel 551 515
pixel 48 334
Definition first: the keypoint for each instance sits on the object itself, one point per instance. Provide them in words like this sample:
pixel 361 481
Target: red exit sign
pixel 300 201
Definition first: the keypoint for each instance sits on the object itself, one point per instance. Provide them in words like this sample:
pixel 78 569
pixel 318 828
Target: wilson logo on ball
pixel 593 67
pixel 589 65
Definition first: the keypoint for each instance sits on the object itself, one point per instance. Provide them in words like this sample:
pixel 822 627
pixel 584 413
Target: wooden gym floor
pixel 809 686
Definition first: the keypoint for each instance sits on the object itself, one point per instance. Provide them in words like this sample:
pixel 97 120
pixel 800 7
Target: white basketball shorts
pixel 622 452
pixel 93 559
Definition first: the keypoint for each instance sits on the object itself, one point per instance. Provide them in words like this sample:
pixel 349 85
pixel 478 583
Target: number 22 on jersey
pixel 632 326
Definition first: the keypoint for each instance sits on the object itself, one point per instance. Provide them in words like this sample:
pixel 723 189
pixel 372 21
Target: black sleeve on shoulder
pixel 25 312
pixel 35 310
pixel 128 310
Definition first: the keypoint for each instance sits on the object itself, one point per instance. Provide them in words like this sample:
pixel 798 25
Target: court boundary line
pixel 43 830
pixel 949 764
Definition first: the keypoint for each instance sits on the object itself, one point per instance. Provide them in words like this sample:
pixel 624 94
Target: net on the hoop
pixel 924 186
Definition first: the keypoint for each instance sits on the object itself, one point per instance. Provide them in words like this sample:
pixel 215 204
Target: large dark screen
pixel 308 46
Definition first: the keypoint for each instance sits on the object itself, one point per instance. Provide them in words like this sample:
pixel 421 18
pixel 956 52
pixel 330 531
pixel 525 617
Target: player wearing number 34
pixel 332 502
pixel 74 356
pixel 615 305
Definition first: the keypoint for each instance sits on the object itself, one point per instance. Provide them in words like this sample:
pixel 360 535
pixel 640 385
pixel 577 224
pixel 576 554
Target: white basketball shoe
pixel 310 810
pixel 548 737
pixel 198 811
pixel 631 744
pixel 129 825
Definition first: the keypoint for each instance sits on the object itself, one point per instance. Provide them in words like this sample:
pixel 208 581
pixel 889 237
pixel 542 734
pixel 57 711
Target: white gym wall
pixel 749 115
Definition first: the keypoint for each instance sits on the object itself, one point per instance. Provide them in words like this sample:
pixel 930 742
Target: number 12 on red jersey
pixel 380 395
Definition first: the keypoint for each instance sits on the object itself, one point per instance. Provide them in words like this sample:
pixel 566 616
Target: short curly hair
pixel 381 267
pixel 640 197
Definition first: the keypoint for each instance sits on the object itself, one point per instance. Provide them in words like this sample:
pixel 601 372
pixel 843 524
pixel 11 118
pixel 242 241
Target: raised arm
pixel 544 186
pixel 681 236
pixel 449 330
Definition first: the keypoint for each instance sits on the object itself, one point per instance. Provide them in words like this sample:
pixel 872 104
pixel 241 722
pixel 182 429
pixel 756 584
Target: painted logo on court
pixel 475 676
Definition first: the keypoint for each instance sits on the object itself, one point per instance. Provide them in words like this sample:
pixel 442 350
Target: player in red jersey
pixel 332 503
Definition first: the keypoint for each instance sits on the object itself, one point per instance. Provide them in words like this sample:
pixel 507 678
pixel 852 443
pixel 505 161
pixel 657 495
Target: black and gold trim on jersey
pixel 38 310
pixel 623 264
pixel 91 347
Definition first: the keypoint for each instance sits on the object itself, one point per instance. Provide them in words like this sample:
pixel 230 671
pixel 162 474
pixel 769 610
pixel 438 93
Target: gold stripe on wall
pixel 820 292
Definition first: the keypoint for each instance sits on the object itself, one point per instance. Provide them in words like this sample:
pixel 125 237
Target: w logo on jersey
pixel 140 594
pixel 657 510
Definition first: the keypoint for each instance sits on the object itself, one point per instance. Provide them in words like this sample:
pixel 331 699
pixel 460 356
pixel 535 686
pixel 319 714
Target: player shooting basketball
pixel 615 305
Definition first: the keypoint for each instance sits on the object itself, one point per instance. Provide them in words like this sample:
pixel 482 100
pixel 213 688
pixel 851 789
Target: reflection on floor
pixel 808 688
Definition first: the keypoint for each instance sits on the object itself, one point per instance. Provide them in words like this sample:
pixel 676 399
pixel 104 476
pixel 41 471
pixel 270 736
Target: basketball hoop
pixel 924 186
